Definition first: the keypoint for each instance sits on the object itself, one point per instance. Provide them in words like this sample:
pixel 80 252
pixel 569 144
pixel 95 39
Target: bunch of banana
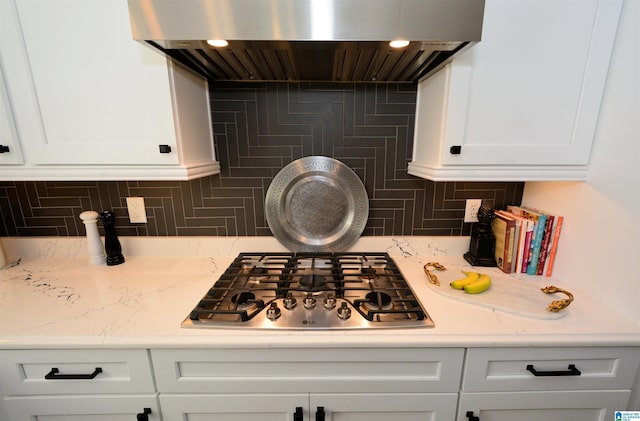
pixel 472 283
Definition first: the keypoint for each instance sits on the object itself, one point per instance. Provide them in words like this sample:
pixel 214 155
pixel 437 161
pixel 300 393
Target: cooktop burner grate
pixel 310 291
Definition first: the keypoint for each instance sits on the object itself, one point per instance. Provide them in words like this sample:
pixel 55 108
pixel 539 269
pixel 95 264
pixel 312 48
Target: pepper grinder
pixel 94 243
pixel 111 242
pixel 483 242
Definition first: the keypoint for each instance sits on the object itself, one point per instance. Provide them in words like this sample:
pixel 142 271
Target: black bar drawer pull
pixel 54 374
pixel 320 413
pixel 297 416
pixel 471 416
pixel 4 149
pixel 571 371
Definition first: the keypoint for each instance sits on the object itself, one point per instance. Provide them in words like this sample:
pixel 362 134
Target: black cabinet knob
pixel 471 416
pixel 144 416
pixel 297 416
pixel 455 150
pixel 165 149
pixel 4 149
pixel 320 413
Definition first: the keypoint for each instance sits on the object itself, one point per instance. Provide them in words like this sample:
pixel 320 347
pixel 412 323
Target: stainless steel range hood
pixel 294 40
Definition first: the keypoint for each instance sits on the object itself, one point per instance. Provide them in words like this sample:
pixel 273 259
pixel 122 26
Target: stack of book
pixel 526 240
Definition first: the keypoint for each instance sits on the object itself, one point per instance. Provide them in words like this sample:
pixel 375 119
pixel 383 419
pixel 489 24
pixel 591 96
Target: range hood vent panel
pixel 295 40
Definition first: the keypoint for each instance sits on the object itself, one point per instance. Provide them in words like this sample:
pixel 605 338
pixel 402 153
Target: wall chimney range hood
pixel 309 40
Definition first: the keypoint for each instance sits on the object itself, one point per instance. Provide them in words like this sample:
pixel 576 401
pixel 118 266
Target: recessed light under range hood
pixel 309 40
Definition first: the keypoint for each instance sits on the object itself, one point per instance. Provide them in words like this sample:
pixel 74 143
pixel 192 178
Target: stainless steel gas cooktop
pixel 310 291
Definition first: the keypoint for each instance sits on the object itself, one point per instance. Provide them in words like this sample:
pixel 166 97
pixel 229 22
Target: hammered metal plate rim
pixel 342 179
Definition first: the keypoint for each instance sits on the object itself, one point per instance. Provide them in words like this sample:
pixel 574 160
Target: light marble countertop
pixel 51 297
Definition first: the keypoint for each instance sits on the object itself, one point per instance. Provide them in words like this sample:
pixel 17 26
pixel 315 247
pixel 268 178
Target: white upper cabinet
pixel 523 103
pixel 88 102
pixel 10 152
pixel 9 144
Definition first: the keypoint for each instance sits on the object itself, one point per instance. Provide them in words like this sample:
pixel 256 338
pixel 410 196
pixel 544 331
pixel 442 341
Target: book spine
pixel 526 257
pixel 511 247
pixel 501 228
pixel 510 252
pixel 554 247
pixel 498 251
pixel 516 246
pixel 506 263
pixel 520 254
pixel 537 244
pixel 546 240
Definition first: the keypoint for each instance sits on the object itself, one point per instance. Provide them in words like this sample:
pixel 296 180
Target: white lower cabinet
pixel 592 405
pixel 83 408
pixel 67 371
pixel 384 407
pixel 233 407
pixel 48 385
pixel 551 384
pixel 315 406
pixel 309 384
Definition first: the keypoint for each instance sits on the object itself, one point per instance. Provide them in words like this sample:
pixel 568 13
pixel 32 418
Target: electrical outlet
pixel 137 212
pixel 471 210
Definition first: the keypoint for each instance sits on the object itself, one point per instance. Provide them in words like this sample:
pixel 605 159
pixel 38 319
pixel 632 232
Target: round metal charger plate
pixel 316 204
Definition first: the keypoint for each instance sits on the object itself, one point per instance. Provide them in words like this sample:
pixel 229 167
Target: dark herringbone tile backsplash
pixel 259 128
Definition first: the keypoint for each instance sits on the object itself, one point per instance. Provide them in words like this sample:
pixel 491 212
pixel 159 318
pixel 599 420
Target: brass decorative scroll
pixel 557 305
pixel 432 277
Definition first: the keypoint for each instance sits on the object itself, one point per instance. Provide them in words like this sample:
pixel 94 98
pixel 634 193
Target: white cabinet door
pixel 89 102
pixel 596 405
pixel 10 152
pixel 385 406
pixel 335 407
pixel 96 96
pixel 9 145
pixel 83 408
pixel 234 407
pixel 523 103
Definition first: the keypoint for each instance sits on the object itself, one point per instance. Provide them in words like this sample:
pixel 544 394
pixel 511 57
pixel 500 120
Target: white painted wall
pixel 599 249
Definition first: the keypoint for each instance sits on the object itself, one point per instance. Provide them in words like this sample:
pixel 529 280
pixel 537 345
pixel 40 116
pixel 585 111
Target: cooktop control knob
pixel 309 302
pixel 273 312
pixel 344 312
pixel 290 301
pixel 329 302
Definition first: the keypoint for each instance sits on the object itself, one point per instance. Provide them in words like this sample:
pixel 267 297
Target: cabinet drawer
pixel 83 408
pixel 585 405
pixel 69 371
pixel 507 369
pixel 312 370
pixel 386 406
pixel 232 407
